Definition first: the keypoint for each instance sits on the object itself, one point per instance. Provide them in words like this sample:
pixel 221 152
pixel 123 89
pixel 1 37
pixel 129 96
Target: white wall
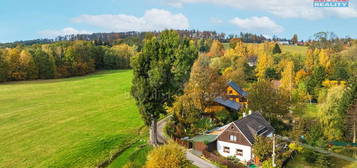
pixel 247 150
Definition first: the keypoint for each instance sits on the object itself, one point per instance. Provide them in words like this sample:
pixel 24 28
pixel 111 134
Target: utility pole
pixel 273 155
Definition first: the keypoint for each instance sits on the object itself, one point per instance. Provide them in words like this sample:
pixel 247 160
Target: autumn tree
pixel 309 60
pixel 185 116
pixel 233 42
pixel 14 65
pixel 270 102
pixel 300 76
pixel 288 77
pixel 241 49
pixel 331 119
pixel 28 65
pixel 262 147
pixel 264 62
pixel 216 49
pixel 80 58
pixel 118 57
pixel 324 58
pixel 205 83
pixel 168 156
pixel 157 75
pixel 3 67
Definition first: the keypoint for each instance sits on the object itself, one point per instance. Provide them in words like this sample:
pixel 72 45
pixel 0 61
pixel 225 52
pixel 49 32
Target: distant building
pixel 234 99
pixel 283 42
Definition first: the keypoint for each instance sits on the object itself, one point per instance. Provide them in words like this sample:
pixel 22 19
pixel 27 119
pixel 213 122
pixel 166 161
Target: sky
pixel 26 20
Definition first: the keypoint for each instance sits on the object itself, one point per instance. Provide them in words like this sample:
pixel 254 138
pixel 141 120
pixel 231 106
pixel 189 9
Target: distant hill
pixel 133 36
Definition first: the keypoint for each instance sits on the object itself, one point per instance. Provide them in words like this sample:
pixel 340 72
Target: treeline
pixel 136 38
pixel 61 59
pixel 115 38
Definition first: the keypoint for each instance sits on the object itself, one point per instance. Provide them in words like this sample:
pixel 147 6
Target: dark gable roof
pixel 228 103
pixel 254 124
pixel 237 88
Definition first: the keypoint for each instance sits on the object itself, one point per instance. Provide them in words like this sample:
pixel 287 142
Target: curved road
pixel 197 161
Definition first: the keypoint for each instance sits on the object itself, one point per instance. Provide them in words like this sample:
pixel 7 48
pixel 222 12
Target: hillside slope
pixel 74 122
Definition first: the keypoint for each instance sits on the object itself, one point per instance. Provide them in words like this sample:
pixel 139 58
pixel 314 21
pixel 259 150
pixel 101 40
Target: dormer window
pixel 261 131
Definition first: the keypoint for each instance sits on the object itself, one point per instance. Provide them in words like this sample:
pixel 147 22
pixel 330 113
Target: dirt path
pixel 197 161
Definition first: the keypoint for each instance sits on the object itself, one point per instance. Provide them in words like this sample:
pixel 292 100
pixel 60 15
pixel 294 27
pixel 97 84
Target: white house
pixel 238 137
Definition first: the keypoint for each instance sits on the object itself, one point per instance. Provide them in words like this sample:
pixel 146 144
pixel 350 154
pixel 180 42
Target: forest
pixel 61 59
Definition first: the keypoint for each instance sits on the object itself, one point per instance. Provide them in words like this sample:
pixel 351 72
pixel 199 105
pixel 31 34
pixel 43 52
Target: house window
pixel 226 149
pixel 239 152
pixel 233 138
pixel 230 92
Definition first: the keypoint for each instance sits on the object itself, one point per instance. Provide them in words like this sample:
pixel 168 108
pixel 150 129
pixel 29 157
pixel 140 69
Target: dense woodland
pixel 61 59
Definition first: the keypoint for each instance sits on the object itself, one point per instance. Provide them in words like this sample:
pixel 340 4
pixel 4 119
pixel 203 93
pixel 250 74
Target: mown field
pixel 74 122
pixel 294 49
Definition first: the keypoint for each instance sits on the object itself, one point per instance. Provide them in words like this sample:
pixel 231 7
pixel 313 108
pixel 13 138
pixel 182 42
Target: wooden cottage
pixel 236 138
pixel 234 99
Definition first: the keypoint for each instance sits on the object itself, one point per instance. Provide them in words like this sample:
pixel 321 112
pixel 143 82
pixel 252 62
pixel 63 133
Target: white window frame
pixel 239 153
pixel 226 149
pixel 233 138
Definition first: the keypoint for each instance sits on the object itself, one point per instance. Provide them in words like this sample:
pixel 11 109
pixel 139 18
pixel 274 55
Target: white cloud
pixel 257 24
pixel 216 20
pixel 175 3
pixel 65 31
pixel 281 8
pixel 153 19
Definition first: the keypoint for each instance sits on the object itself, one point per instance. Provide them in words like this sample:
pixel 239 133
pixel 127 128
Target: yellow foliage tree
pixel 252 50
pixel 231 53
pixel 301 74
pixel 324 58
pixel 167 156
pixel 28 66
pixel 309 60
pixel 241 49
pixel 330 118
pixel 264 61
pixel 14 65
pixel 288 76
pixel 216 49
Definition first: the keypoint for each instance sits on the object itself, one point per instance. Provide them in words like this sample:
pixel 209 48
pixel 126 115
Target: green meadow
pixel 73 122
pixel 294 49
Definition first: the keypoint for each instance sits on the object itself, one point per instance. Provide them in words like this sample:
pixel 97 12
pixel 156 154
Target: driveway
pixel 197 161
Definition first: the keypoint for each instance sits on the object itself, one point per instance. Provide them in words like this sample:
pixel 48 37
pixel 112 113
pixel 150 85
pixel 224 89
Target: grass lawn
pixel 73 122
pixel 294 49
pixel 136 154
pixel 299 162
pixel 311 111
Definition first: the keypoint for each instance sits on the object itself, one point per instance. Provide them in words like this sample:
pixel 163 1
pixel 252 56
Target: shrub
pixel 168 156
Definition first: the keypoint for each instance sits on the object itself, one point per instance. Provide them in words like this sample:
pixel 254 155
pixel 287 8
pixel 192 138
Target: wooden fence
pixel 185 144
